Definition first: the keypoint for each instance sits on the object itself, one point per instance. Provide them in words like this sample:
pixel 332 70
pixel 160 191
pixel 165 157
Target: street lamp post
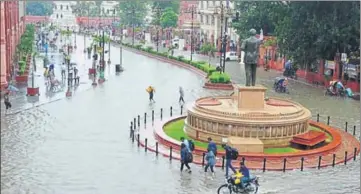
pixel 193 11
pixel 157 11
pixel 68 93
pixel 133 23
pixel 85 33
pixel 102 61
pixel 223 38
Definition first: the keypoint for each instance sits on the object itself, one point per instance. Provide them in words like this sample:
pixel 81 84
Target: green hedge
pixel 213 74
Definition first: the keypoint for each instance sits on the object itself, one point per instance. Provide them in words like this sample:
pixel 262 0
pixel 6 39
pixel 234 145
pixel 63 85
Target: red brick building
pixel 12 26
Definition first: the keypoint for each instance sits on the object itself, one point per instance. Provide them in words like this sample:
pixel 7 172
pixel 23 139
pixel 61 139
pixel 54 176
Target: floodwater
pixel 81 146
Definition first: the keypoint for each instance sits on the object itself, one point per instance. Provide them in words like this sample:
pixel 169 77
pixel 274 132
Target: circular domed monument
pixel 246 120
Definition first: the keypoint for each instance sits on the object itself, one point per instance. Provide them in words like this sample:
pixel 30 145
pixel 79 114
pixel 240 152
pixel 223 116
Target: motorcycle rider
pixel 245 172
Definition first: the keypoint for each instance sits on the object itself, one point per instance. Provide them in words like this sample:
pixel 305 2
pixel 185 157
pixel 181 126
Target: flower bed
pixel 216 79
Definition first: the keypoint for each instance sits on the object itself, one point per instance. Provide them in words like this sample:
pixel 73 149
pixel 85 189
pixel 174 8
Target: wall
pixel 10 35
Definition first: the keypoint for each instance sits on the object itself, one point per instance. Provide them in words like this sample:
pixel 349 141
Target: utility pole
pixel 192 11
pixel 133 23
pixel 158 14
pixel 220 57
pixel 192 38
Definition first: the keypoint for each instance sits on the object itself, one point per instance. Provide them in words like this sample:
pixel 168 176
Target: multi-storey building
pixel 185 13
pixel 210 20
pixel 12 26
pixel 63 15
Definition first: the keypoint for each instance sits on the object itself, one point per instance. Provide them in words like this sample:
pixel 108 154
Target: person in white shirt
pixel 70 75
pixel 63 69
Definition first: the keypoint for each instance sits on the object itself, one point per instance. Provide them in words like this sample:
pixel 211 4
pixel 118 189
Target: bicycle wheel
pixel 224 189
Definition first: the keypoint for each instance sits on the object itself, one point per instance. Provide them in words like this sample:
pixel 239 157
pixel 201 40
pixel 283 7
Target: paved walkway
pixel 21 102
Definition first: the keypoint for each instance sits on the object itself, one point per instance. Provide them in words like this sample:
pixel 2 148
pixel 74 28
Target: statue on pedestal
pixel 249 57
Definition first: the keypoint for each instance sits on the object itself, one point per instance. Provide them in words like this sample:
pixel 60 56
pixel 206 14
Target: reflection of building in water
pixel 63 15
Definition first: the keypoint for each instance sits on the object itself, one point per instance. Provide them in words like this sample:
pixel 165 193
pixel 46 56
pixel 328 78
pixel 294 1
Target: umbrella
pixel 12 88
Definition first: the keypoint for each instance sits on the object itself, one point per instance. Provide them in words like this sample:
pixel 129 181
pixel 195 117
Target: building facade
pixel 185 13
pixel 12 26
pixel 211 21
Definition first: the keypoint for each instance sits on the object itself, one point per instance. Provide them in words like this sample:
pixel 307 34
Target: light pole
pixel 221 9
pixel 102 60
pixel 157 11
pixel 70 75
pixel 192 10
pixel 133 23
pixel 85 33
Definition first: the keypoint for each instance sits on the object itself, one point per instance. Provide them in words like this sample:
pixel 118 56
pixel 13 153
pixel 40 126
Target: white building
pixel 108 7
pixel 63 16
pixel 210 20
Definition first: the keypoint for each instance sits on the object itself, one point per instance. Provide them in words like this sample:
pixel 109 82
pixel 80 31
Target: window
pixel 212 19
pixel 67 7
pixel 207 22
pixel 202 19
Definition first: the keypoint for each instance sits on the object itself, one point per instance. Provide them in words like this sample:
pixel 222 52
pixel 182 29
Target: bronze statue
pixel 249 57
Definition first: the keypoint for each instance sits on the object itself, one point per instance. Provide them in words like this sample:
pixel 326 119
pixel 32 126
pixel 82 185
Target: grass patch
pixel 280 150
pixel 175 131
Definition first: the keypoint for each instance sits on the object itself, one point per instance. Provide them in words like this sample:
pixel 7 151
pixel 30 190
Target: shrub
pixel 212 73
pixel 173 57
pixel 180 57
pixel 149 48
pixel 217 77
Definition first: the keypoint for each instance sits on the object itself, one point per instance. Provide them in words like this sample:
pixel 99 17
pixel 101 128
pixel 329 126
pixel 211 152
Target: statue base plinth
pixel 251 97
pixel 246 145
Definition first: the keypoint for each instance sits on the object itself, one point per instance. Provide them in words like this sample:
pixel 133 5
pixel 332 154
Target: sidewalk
pixel 21 102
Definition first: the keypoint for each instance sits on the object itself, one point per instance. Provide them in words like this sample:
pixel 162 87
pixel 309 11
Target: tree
pixel 132 12
pixel 168 19
pixel 174 5
pixel 81 8
pixel 305 31
pixel 39 8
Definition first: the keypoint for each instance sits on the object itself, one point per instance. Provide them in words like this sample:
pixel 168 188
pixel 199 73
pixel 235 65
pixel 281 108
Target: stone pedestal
pixel 246 145
pixel 251 97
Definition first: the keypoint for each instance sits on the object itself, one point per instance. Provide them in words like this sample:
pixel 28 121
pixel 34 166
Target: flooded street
pixel 81 145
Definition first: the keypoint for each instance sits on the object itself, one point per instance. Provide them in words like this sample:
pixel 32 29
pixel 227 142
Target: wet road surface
pixel 81 146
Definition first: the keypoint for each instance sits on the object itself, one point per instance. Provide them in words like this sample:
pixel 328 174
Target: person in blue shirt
pixel 245 172
pixel 211 161
pixel 184 160
pixel 212 146
pixel 186 143
pixel 228 150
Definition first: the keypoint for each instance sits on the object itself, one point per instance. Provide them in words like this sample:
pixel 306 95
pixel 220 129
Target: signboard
pixel 330 64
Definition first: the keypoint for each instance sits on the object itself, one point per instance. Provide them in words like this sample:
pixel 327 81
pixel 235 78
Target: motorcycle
pixel 230 186
pixel 291 73
pixel 330 92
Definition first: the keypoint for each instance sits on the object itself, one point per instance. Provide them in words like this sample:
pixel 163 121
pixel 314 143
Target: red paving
pixel 342 143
